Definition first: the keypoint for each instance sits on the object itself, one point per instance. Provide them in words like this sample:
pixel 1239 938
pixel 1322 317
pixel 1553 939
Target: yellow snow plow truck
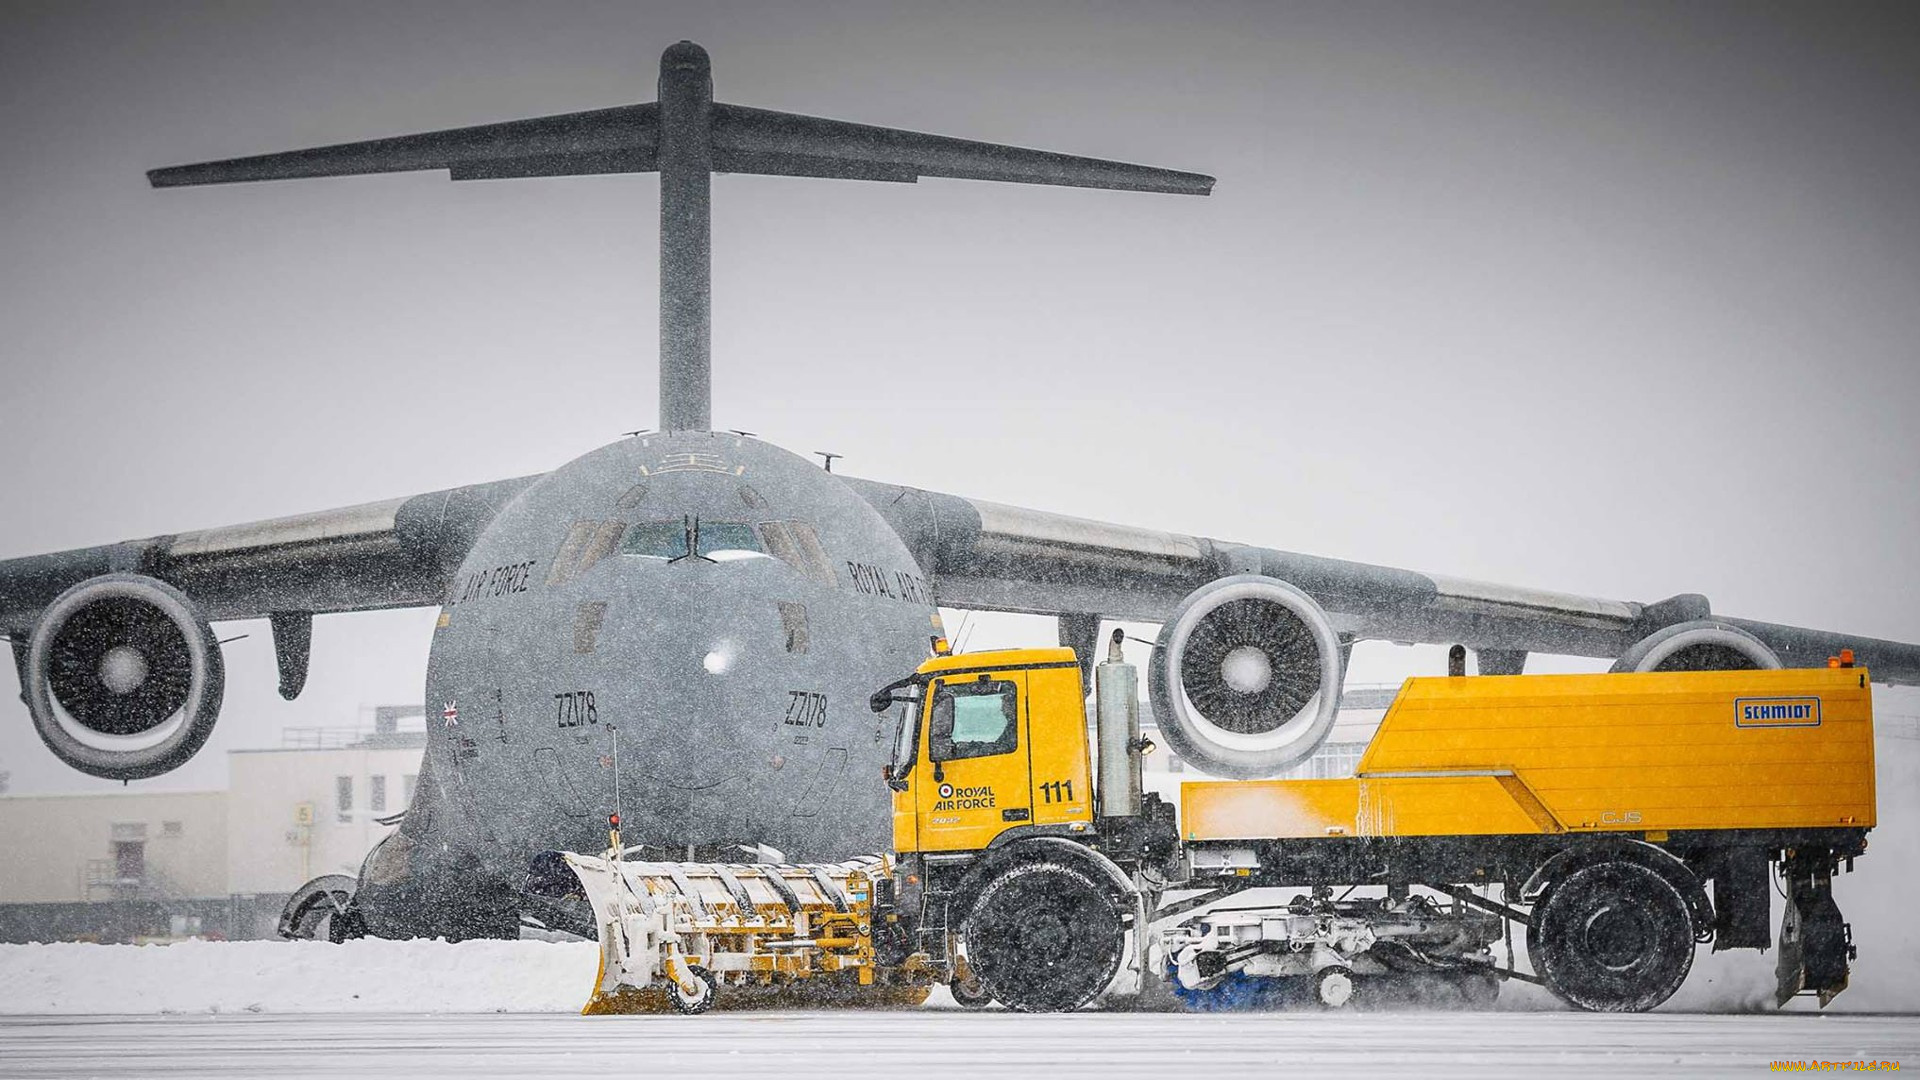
pixel 1620 820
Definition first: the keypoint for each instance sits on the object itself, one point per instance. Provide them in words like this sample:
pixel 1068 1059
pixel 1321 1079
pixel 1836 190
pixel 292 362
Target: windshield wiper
pixel 690 525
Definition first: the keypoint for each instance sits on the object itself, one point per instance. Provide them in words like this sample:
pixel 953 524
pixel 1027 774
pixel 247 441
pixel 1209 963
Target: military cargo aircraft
pixel 685 626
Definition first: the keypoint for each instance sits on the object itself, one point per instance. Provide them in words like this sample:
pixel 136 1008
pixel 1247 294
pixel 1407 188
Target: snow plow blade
pixel 688 937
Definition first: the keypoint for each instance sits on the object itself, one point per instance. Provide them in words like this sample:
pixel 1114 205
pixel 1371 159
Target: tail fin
pixel 686 136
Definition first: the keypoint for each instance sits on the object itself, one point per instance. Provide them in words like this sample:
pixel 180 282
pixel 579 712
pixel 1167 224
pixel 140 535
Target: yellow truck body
pixel 1651 753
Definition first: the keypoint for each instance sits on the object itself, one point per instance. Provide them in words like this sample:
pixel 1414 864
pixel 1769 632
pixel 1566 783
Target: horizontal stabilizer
pixel 599 141
pixel 743 140
pixel 857 151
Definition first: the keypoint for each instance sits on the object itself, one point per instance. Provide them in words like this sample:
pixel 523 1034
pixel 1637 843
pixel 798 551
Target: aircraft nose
pixel 698 699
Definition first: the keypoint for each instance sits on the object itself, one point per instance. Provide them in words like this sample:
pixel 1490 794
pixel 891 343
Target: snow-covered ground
pixel 974 1046
pixel 298 977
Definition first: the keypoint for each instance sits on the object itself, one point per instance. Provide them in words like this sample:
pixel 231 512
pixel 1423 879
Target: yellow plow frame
pixel 687 935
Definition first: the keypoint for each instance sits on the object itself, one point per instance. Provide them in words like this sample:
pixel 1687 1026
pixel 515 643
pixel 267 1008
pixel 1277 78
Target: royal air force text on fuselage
pixel 498 581
pixel 892 584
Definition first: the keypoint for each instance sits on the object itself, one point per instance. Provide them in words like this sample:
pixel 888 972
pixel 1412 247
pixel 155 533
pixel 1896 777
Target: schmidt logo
pixel 1777 712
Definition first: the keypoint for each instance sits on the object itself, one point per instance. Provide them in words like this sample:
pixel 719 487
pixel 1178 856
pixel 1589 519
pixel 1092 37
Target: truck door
pixel 974 783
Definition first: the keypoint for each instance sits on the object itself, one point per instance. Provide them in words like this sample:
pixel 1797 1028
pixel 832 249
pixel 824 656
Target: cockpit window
pixel 656 540
pixel 722 538
pixel 798 545
pixel 586 543
pixel 719 540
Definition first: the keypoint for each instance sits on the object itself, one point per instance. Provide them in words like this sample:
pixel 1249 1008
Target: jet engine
pixel 1698 645
pixel 123 677
pixel 1245 679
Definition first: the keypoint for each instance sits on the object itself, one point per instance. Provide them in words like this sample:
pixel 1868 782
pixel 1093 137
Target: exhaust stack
pixel 1117 725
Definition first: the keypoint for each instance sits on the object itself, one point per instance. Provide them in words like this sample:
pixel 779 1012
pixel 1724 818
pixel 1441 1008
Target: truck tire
pixel 1612 937
pixel 1044 937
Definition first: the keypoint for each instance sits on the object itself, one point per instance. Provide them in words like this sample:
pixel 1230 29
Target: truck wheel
pixel 1044 938
pixel 1612 937
pixel 693 1004
pixel 1333 986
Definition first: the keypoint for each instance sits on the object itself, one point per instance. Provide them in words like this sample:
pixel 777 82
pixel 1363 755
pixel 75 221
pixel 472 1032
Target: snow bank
pixel 303 976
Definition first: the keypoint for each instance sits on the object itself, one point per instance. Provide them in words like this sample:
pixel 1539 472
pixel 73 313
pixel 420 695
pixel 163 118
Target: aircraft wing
pixel 988 556
pixel 397 553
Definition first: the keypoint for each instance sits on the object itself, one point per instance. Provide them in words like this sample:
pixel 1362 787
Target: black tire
pixel 1044 938
pixel 1333 986
pixel 694 1006
pixel 1612 937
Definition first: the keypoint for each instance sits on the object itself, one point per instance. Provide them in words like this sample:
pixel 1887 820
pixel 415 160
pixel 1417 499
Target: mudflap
pixel 1815 941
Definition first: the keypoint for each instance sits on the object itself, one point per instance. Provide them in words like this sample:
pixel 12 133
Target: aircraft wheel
pixel 696 1003
pixel 1044 938
pixel 322 910
pixel 1612 937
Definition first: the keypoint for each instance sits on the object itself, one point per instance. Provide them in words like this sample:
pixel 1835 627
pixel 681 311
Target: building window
pixel 407 783
pixel 343 798
pixel 129 861
pixel 377 794
pixel 170 828
pixel 1333 761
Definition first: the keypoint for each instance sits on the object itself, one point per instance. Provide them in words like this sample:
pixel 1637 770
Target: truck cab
pixel 992 745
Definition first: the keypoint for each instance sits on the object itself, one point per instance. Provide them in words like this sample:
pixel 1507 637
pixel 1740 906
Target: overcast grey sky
pixel 1619 300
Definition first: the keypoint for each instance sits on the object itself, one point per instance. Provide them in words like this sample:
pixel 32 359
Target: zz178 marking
pixel 575 708
pixel 806 709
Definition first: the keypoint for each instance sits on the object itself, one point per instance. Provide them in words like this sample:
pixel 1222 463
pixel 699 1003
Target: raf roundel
pixel 946 791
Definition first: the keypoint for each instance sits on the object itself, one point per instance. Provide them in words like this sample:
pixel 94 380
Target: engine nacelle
pixel 123 677
pixel 1245 679
pixel 1698 645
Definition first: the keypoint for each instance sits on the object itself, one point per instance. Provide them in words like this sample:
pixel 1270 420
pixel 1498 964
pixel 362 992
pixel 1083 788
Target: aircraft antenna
pixel 686 137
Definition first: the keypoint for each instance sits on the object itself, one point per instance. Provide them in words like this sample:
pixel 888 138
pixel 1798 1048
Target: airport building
pixel 135 865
